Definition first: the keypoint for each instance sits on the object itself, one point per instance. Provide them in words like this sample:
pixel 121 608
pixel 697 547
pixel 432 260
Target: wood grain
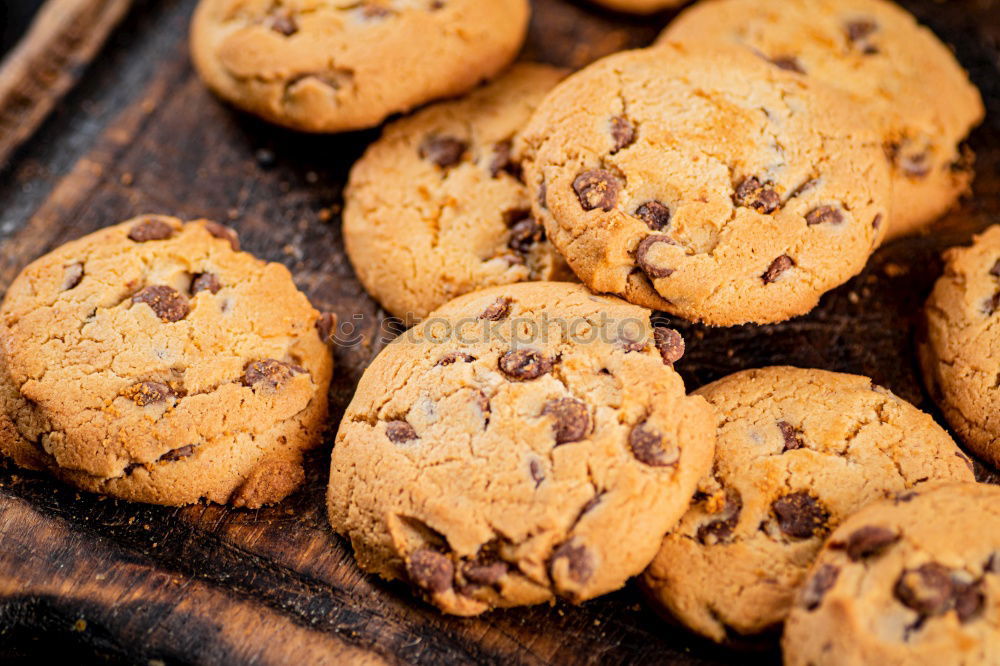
pixel 208 584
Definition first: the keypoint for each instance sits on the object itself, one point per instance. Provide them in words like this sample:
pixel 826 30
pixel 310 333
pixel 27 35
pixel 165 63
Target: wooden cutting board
pixel 92 579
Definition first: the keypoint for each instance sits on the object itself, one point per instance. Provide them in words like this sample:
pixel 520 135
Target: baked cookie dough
pixel 436 208
pixel 876 51
pixel 706 183
pixel 798 452
pixel 961 352
pixel 639 6
pixel 154 362
pixel 336 65
pixel 909 581
pixel 524 441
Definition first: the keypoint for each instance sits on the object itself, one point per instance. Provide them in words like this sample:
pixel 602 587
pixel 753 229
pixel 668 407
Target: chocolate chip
pixel 789 63
pixel 995 271
pixel 993 563
pixel 777 267
pixel 453 357
pixel 762 197
pixel 443 151
pixel 543 201
pixel 400 431
pixel 177 454
pixel 791 436
pixel 877 221
pixel 72 276
pixel 325 326
pixel 151 229
pixel 721 527
pixel 816 587
pixel 867 541
pixel 670 343
pixel 597 188
pixel 149 393
pixel 498 310
pixel 650 448
pixel 824 215
pixel 992 304
pixel 906 496
pixel 642 259
pixel 622 133
pixel 525 234
pixel 917 165
pixel 523 364
pixel 969 600
pixel 579 560
pixel 205 282
pixel 284 22
pixel 224 232
pixel 928 589
pixel 655 214
pixel 571 419
pixel 800 515
pixel 268 374
pixel 537 472
pixel 501 161
pixel 485 573
pixel 375 11
pixel 430 570
pixel 858 33
pixel 168 303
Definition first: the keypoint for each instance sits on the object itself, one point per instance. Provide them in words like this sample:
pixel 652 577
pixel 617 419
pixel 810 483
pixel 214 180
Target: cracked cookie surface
pixel 798 451
pixel 706 183
pixel 960 354
pixel 876 51
pixel 154 362
pixel 913 580
pixel 525 441
pixel 436 208
pixel 337 65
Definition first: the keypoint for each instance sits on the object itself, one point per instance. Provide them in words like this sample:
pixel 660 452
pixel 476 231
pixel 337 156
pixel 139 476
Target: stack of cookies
pixel 529 438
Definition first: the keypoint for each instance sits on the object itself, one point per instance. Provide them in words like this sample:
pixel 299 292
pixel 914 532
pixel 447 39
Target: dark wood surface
pixel 98 580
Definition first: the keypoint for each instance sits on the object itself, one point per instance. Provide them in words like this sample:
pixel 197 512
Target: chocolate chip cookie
pixel 911 580
pixel 706 183
pixel 877 52
pixel 436 208
pixel 960 353
pixel 336 65
pixel 524 441
pixel 639 6
pixel 153 361
pixel 798 452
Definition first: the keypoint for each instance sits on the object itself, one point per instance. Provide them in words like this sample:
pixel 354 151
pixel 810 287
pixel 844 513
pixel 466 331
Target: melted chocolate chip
pixel 225 233
pixel 177 454
pixel 969 600
pixel 284 22
pixel 928 589
pixel 622 133
pixel 877 221
pixel 149 393
pixel 992 304
pixel 151 229
pixel 578 559
pixel 537 472
pixel 995 271
pixel 800 515
pixel 868 541
pixel 762 197
pixel 482 573
pixel 650 447
pixel 205 282
pixel 400 431
pixel 788 63
pixel 72 276
pixel 859 33
pixel 791 435
pixel 501 161
pixel 655 214
pixel 430 570
pixel 268 374
pixel 375 12
pixel 168 303
pixel 525 234
pixel 443 151
pixel 645 263
pixel 597 188
pixel 721 527
pixel 816 587
pixel 777 267
pixel 670 344
pixel 498 310
pixel 453 357
pixel 325 326
pixel 571 419
pixel 524 364
pixel 824 215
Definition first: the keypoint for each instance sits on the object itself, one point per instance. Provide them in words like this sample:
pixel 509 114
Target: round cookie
pixel 798 451
pixel 154 362
pixel 877 51
pixel 336 65
pixel 961 352
pixel 436 209
pixel 525 441
pixel 706 183
pixel 639 6
pixel 913 581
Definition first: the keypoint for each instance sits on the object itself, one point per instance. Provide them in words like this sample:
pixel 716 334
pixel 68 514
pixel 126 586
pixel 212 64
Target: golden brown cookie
pixel 336 65
pixel 639 6
pixel 909 581
pixel 706 183
pixel 524 441
pixel 895 67
pixel 436 208
pixel 154 362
